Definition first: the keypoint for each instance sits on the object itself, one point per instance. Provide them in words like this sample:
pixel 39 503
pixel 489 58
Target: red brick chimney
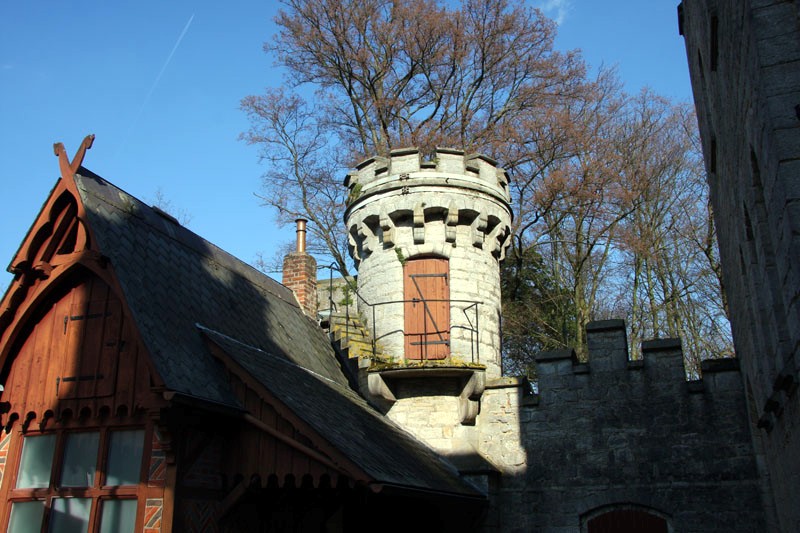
pixel 300 273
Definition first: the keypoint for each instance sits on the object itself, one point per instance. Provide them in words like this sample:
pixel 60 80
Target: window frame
pixel 97 493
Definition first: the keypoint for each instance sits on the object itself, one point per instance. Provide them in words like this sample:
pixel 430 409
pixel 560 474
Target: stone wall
pixel 615 433
pixel 454 206
pixel 336 295
pixel 744 61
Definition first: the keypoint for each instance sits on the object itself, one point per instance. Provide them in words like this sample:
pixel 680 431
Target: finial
pixel 68 169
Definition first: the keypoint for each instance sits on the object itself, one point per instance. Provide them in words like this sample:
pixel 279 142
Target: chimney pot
pixel 301 235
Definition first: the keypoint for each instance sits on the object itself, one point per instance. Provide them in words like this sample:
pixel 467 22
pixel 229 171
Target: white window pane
pixel 80 460
pixel 125 457
pixel 37 460
pixel 119 516
pixel 26 517
pixel 70 515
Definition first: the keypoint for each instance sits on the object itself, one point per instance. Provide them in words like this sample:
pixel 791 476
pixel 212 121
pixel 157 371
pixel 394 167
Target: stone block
pixel 786 142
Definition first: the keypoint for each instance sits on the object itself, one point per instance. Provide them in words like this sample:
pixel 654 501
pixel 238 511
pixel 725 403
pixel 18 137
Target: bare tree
pixel 303 176
pixel 609 205
pixel 388 74
pixel 668 244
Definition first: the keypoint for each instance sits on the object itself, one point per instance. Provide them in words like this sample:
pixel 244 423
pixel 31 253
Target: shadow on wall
pixel 616 441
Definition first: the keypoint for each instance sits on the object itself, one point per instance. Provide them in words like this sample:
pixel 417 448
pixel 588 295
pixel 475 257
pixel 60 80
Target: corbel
pixel 479 226
pixel 451 223
pixel 469 400
pixel 387 228
pixel 419 224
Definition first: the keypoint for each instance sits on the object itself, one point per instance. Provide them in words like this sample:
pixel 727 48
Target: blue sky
pixel 159 84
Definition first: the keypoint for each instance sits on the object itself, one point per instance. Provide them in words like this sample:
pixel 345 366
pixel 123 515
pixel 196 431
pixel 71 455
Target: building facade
pixel 744 61
pixel 152 382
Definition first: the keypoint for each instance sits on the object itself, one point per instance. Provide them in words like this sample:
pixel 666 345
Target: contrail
pixel 169 58
pixel 155 82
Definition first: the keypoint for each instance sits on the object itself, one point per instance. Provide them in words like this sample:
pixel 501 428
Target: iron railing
pixel 470 310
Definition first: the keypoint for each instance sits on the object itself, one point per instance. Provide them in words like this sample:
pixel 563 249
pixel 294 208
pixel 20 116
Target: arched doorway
pixel 626 519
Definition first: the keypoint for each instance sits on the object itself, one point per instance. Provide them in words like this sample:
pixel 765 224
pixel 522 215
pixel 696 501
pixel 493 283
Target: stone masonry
pixel 616 433
pixel 744 62
pixel 454 206
pixel 606 435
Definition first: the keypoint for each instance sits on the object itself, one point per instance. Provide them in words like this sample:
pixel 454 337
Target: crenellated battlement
pixel 661 367
pixel 434 229
pixel 407 167
pixel 613 430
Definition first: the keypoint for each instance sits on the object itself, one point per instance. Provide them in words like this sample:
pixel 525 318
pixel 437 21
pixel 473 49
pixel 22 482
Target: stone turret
pixel 429 236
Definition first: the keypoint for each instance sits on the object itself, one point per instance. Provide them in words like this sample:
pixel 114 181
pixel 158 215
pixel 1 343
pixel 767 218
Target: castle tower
pixel 427 237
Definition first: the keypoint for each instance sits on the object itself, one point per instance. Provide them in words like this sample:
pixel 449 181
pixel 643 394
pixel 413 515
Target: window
pixel 78 482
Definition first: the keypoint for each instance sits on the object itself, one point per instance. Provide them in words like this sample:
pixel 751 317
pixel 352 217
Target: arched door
pixel 627 521
pixel 426 287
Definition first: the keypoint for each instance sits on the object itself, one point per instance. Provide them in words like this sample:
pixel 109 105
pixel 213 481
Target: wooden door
pixel 426 287
pixel 627 521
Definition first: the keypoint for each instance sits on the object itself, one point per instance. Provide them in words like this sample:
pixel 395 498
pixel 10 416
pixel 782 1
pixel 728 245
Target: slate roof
pixel 173 281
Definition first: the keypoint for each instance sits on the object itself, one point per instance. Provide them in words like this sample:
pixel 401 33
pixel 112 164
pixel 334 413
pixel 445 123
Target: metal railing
pixel 470 310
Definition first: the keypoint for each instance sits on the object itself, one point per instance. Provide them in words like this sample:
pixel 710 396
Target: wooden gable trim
pixel 335 458
pixel 58 240
pixel 90 260
pixel 250 419
pixel 96 367
pixel 40 268
pixel 65 192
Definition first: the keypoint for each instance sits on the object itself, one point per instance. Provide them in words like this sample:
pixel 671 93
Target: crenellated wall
pixel 454 206
pixel 615 433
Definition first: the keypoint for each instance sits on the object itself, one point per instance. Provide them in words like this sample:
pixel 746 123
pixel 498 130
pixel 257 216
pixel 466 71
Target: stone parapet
pixel 406 168
pixel 618 433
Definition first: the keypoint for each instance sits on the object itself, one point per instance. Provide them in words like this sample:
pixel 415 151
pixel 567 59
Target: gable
pixel 76 354
pixel 173 279
pixel 278 444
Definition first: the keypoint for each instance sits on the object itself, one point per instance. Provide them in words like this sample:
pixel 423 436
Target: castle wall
pixel 744 61
pixel 614 433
